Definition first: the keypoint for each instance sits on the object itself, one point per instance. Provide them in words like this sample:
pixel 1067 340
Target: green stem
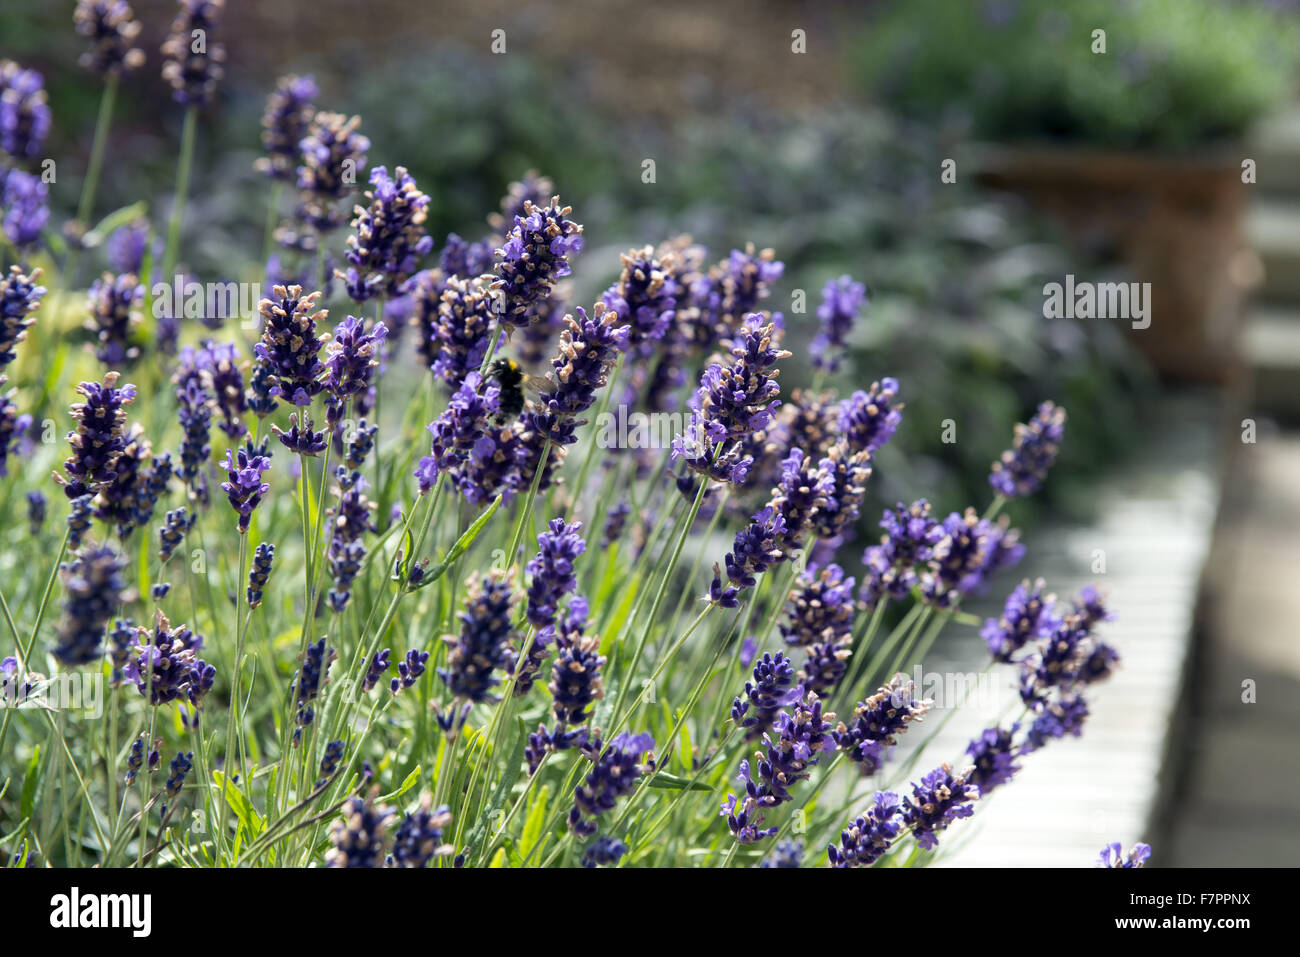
pixel 183 166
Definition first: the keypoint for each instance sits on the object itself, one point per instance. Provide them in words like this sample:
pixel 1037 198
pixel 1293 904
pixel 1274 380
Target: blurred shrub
pixel 1175 72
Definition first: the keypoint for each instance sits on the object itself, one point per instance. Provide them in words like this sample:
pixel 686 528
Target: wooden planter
pixel 1175 223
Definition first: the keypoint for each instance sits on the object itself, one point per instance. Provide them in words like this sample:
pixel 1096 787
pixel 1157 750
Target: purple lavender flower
pixel 258 397
pixel 804 490
pixel 1056 719
pixel 588 349
pixel 25 207
pixel 1067 656
pixel 867 839
pixel 114 317
pixel 552 570
pixel 993 757
pixel 531 188
pixel 360 837
pixel 1090 606
pixel 95 587
pixel 360 445
pixel 379 663
pixel 892 566
pixel 643 296
pixel 785 854
pixel 351 362
pixel 877 721
pixel 483 646
pixel 494 466
pixel 20 297
pixel 535 254
pixel 311 677
pixel 12 425
pixel 98 438
pixel 576 683
pixel 615 521
pixel 24 112
pixel 126 246
pixel 849 472
pixel 111 27
pixel 615 773
pixel 868 420
pixel 465 260
pixel 219 369
pixel 1027 616
pixel 290 348
pixel 166 665
pixel 409 670
pixel 459 429
pixel 803 734
pixel 351 518
pixel 180 767
pixel 301 438
pixel 937 801
pixel 244 487
pixel 194 75
pixel 842 301
pixel 967 551
pixel 1022 469
pixel 128 498
pixel 79 517
pixel 603 851
pixel 771 689
pixel 331 149
pixel 1112 855
pixel 390 238
pixel 756 548
pixel 36 503
pixel 259 572
pixel 289 112
pixel 419 836
pixel 729 293
pixel 819 618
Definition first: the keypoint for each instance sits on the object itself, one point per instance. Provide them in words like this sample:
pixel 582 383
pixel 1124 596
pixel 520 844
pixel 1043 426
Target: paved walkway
pixel 1237 800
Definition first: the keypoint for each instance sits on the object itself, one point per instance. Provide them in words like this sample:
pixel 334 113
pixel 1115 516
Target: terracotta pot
pixel 1175 223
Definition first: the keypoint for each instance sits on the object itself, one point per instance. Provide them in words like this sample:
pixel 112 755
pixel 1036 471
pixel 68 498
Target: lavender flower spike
pixel 615 774
pixel 390 239
pixel 99 438
pixel 1112 855
pixel 24 112
pixel 842 301
pixel 290 348
pixel 95 585
pixel 535 255
pixel 352 359
pixel 245 487
pixel 1023 468
pixel 552 570
pixel 194 75
pixel 20 297
pixel 288 115
pixel 111 27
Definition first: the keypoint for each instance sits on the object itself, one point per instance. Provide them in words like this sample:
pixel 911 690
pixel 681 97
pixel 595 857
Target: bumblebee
pixel 513 381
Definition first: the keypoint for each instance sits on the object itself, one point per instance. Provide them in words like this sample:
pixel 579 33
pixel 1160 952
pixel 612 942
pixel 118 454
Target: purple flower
pixel 20 297
pixel 849 472
pixel 95 587
pixel 288 115
pixel 350 519
pixel 643 296
pixel 311 677
pixel 785 854
pixel 1022 469
pixel 12 425
pixel 771 689
pixel 218 365
pixel 940 798
pixel 534 256
pixel 1056 719
pixel 552 570
pixel 98 438
pixel 259 572
pixel 877 721
pixel 290 347
pixel 409 670
pixel 379 663
pixel 79 517
pixel 576 682
pixel 732 290
pixel 842 301
pixel 615 522
pixel 804 490
pixel 603 851
pixel 1067 656
pixel 331 148
pixel 390 238
pixel 25 207
pixel 615 773
pixel 180 767
pixel 532 188
pixel 194 75
pixel 36 503
pixel 111 27
pixel 966 552
pixel 869 836
pixel 993 757
pixel 419 837
pixel 166 665
pixel 1027 616
pixel 126 246
pixel 462 330
pixel 1112 855
pixel 819 617
pixel 360 837
pixel 756 548
pixel 244 487
pixel 300 437
pixel 351 362
pixel 24 112
pixel 128 498
pixel 494 465
pixel 459 429
pixel 867 420
pixel 483 646
pixel 465 260
pixel 360 445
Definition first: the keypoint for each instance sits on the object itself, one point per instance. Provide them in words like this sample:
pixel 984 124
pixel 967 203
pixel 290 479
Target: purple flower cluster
pixel 350 519
pixel 732 290
pixel 114 317
pixel 576 683
pixel 819 618
pixel 409 670
pixel 125 247
pixel 460 430
pixel 771 690
pixel 877 721
pixel 289 112
pixel 1023 468
pixel 802 736
pixel 95 587
pixel 483 646
pixel 867 839
pixel 603 851
pixel 193 69
pixel 868 420
pixel 849 472
pixel 24 112
pixel 259 572
pixel 390 238
pixel 350 364
pixel 166 666
pixel 1027 616
pixel 893 566
pixel 111 27
pixel 531 188
pixel 993 758
pixel 20 297
pixel 937 801
pixel 289 349
pixel 644 295
pixel 534 256
pixel 1112 855
pixel 465 260
pixel 552 571
pixel 128 498
pixel 458 337
pixel 331 149
pixel 12 425
pixel 176 525
pixel 419 837
pixel 615 773
pixel 99 436
pixel 300 438
pixel 360 837
pixel 244 486
pixel 842 301
pixel 311 677
pixel 966 552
